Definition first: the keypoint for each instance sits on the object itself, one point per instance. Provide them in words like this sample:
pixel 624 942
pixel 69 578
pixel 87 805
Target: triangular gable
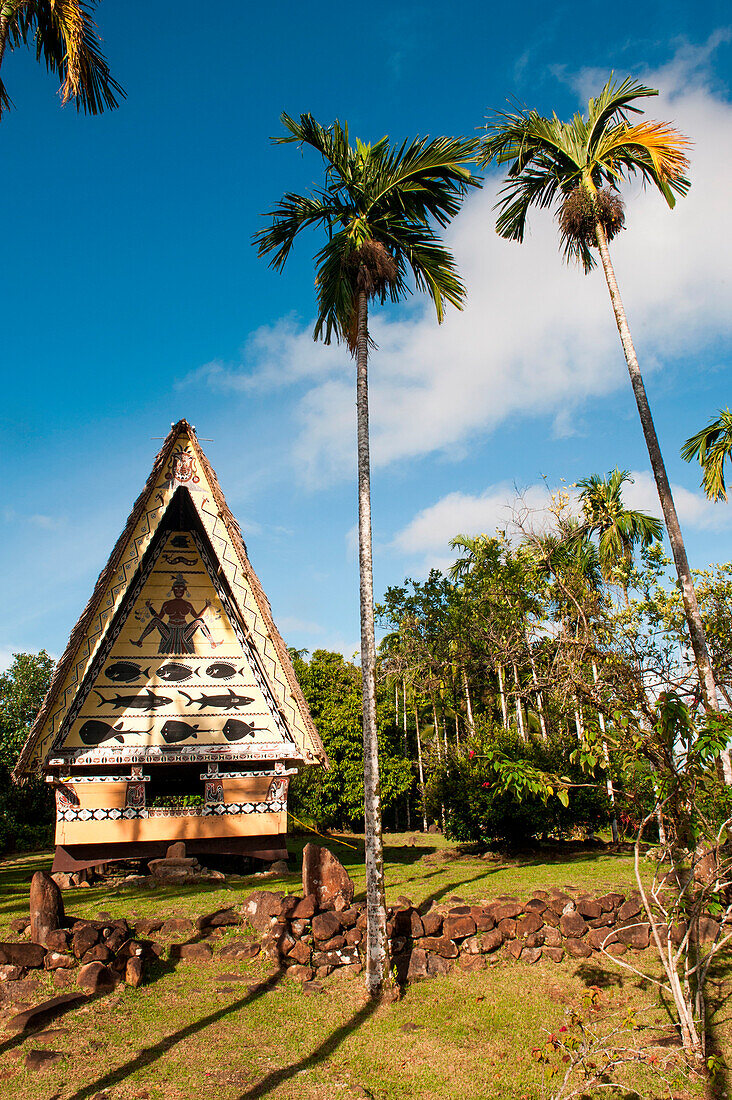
pixel 237 624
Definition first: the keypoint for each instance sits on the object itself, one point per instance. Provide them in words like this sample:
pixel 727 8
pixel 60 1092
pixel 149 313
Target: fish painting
pixel 147 701
pixel 231 701
pixel 235 729
pixel 180 542
pixel 222 670
pixel 173 672
pixel 94 732
pixel 174 731
pixel 124 672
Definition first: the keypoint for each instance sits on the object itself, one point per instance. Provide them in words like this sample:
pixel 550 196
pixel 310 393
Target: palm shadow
pixel 149 1055
pixel 274 1079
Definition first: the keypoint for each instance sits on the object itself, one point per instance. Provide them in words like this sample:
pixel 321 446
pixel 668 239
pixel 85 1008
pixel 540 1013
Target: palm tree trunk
pixel 673 527
pixel 377 950
pixel 502 693
pixel 439 757
pixel 578 719
pixel 406 746
pixel 421 771
pixel 608 777
pixel 535 681
pixel 519 709
pixel 468 706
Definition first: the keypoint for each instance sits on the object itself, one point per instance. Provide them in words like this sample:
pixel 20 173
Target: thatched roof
pixel 82 627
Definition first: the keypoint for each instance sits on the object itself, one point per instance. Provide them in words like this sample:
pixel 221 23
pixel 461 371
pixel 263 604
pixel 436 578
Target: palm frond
pixel 614 103
pixel 712 446
pixel 655 149
pixel 66 39
pixel 290 216
pixel 378 207
pixel 548 158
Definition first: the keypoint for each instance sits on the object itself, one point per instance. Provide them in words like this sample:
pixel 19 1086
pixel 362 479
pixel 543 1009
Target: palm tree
pixel 712 446
pixel 377 207
pixel 65 36
pixel 579 164
pixel 620 529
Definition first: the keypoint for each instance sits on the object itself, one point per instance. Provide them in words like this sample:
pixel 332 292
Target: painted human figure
pixel 176 635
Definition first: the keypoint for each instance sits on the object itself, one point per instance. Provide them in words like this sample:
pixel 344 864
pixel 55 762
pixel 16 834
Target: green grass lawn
pixel 236 1031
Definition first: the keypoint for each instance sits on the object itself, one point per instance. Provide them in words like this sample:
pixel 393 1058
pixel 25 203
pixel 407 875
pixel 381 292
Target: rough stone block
pixel 43 1013
pixel 134 971
pixel 325 876
pixel 508 911
pixel 300 952
pixel 54 960
pixel 57 940
pixel 148 925
pixel 491 941
pixel 611 901
pixel 528 924
pixel 637 936
pixel 30 955
pixel 439 945
pixel 98 953
pixel 590 908
pixel 573 925
pixel 629 909
pixel 471 963
pixel 46 907
pixel 326 925
pixel 578 949
pixel 300 973
pixel 84 939
pixel 306 908
pixel 457 927
pixel 432 923
pixel 191 952
pixel 221 918
pixel 552 936
pixel 239 949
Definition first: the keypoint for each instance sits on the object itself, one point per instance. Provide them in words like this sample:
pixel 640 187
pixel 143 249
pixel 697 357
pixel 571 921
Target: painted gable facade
pixel 174 713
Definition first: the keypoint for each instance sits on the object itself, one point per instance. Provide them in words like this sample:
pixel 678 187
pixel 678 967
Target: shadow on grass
pixel 43 1022
pixel 149 1055
pixel 593 975
pixel 274 1079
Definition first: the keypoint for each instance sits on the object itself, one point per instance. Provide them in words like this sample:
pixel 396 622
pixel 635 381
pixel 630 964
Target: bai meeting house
pixel 174 713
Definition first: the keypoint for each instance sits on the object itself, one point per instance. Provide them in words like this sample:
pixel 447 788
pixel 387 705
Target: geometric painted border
pixel 128 813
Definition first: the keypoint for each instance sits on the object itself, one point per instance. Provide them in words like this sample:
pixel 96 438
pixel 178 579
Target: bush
pixel 26 810
pixel 476 811
pixel 333 797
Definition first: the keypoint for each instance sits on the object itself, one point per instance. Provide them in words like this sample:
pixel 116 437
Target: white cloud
pixel 37 519
pixel 427 536
pixel 290 624
pixel 536 336
pixel 695 511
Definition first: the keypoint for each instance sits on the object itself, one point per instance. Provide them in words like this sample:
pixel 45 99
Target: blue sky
pixel 131 296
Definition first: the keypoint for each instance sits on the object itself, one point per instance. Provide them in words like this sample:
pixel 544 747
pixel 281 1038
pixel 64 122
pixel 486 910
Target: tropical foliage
pixel 64 36
pixel 26 813
pixel 712 446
